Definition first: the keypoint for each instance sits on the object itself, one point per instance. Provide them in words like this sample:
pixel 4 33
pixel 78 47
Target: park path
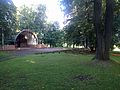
pixel 29 51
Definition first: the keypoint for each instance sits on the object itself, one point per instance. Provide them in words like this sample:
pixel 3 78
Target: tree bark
pixel 2 39
pixel 108 26
pixel 73 45
pixel 99 33
pixel 103 37
pixel 86 43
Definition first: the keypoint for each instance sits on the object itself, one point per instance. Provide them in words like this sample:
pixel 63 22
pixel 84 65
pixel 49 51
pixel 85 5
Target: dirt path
pixel 28 51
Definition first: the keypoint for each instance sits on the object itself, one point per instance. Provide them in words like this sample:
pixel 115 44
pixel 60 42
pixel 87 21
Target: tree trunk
pixel 108 26
pixel 97 26
pixel 73 45
pixel 103 37
pixel 86 43
pixel 50 45
pixel 2 39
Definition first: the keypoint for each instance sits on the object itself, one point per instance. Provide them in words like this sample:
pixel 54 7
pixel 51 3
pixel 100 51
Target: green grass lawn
pixel 58 72
pixel 5 56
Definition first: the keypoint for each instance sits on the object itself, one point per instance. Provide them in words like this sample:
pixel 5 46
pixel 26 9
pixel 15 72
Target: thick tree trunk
pixel 108 26
pixel 99 34
pixel 103 37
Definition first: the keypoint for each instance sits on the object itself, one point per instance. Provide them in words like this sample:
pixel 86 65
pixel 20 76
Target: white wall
pixel 31 40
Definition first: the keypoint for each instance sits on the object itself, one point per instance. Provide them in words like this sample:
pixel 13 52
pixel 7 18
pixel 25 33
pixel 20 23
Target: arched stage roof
pixel 26 38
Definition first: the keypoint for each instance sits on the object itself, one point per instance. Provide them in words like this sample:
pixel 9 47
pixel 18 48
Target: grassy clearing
pixel 58 72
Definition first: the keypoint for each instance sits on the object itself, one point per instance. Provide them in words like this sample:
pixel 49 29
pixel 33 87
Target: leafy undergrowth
pixel 58 71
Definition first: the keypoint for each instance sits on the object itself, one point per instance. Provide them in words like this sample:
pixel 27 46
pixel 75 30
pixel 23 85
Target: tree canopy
pixel 7 20
pixel 53 35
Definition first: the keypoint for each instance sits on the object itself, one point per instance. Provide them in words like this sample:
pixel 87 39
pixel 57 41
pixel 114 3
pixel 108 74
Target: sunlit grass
pixel 58 72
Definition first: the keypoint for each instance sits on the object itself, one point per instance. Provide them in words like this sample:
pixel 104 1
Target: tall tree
pixel 40 21
pixel 109 17
pixel 7 19
pixel 53 36
pixel 26 17
pixel 97 26
pixel 103 37
pixel 80 29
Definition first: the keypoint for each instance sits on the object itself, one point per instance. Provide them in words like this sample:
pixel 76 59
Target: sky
pixel 53 9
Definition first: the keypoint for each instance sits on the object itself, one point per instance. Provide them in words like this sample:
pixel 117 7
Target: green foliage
pixel 53 36
pixel 40 19
pixel 7 20
pixel 116 32
pixel 30 18
pixel 79 29
pixel 26 17
pixel 58 72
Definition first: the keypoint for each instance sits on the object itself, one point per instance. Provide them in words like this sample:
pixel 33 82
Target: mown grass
pixel 3 53
pixel 5 56
pixel 58 72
